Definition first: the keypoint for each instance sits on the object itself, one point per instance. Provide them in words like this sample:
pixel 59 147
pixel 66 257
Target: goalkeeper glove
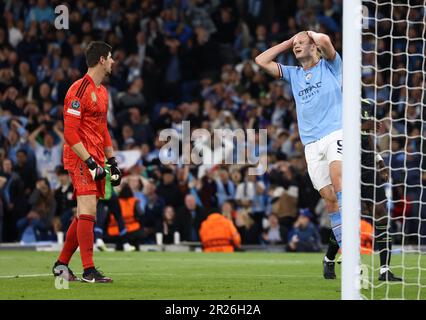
pixel 115 172
pixel 97 172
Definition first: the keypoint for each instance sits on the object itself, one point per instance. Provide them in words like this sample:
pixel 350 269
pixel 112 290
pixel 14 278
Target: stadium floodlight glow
pixel 352 14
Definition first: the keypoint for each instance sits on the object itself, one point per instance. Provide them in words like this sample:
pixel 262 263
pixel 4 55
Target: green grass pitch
pixel 191 275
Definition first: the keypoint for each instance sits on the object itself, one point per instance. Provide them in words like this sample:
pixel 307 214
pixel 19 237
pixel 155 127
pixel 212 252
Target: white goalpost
pixel 384 63
pixel 351 146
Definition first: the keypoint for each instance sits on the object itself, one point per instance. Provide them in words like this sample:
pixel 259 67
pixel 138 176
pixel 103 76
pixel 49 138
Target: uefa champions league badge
pixel 75 104
pixel 93 95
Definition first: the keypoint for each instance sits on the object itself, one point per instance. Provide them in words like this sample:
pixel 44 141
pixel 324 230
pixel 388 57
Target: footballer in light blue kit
pixel 317 90
pixel 318 96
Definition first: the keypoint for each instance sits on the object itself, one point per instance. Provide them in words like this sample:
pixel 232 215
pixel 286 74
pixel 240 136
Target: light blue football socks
pixel 336 220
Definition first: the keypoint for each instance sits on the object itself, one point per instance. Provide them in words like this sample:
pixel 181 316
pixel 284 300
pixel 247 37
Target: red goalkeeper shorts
pixel 83 182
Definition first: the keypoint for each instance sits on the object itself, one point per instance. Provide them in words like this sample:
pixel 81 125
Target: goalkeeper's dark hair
pixel 95 50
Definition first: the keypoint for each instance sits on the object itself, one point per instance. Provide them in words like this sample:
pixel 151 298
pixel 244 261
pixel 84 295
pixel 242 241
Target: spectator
pixel 26 171
pixel 153 207
pixel 169 190
pixel 218 234
pixel 136 184
pixel 142 131
pixel 169 226
pixel 66 205
pixel 225 187
pixel 41 12
pixel 14 142
pixel 48 154
pixel 132 98
pixel 199 12
pixel 250 195
pixel 245 193
pixel 304 237
pixel 228 210
pixel 13 199
pixel 189 218
pixel 37 225
pixel 273 234
pixel 207 190
pixel 284 194
pixel 250 233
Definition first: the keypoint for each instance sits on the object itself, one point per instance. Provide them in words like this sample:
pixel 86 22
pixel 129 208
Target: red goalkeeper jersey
pixel 85 120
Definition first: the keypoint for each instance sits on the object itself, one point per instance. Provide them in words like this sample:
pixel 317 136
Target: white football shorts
pixel 320 154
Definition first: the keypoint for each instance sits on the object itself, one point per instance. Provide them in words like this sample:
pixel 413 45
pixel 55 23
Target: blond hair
pixel 304 32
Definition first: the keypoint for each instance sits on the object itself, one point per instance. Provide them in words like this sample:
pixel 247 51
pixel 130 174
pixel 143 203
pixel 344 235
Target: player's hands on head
pixel 311 34
pixel 115 172
pixel 97 172
pixel 291 40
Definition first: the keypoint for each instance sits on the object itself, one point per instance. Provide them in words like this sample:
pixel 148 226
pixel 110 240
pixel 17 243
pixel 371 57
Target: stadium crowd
pixel 191 60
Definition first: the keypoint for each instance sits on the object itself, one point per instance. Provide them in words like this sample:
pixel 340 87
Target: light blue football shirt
pixel 318 96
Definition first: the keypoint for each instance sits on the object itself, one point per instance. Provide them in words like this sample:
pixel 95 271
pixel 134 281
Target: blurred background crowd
pixel 193 60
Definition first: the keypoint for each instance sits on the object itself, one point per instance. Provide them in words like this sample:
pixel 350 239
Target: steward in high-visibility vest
pixel 366 240
pixel 218 234
pixel 128 210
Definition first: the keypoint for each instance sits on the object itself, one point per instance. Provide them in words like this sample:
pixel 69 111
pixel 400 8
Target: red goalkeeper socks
pixel 86 237
pixel 80 233
pixel 71 243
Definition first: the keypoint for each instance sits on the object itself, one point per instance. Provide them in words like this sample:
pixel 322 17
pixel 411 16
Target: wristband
pixel 91 163
pixel 378 158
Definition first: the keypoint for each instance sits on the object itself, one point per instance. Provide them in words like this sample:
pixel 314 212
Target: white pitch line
pixel 224 261
pixel 166 275
pixel 234 275
pixel 26 276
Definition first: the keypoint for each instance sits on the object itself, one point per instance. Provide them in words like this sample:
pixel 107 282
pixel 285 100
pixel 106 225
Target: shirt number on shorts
pixel 339 146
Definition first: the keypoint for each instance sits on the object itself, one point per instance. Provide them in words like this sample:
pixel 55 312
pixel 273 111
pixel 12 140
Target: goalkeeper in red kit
pixel 88 145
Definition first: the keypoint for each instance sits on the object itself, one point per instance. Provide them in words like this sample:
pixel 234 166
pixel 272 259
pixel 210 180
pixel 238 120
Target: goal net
pixel 393 114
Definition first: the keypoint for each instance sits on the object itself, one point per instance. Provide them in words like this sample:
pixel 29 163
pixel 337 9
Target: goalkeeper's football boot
pixel 93 275
pixel 389 276
pixel 329 272
pixel 62 270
